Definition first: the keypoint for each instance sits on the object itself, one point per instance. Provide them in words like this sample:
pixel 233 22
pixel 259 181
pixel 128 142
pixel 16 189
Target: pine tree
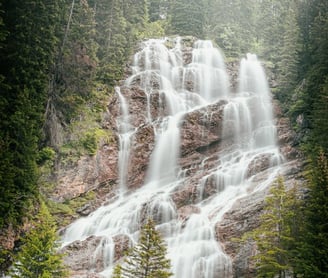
pixel 288 52
pixel 37 257
pixel 115 38
pixel 147 259
pixel 188 18
pixel 275 237
pixel 77 61
pixel 27 42
pixel 157 9
pixel 231 25
pixel 313 248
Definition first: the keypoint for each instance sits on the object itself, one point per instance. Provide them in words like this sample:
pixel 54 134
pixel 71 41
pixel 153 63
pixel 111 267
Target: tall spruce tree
pixel 290 46
pixel 147 259
pixel 114 35
pixel 313 248
pixel 275 237
pixel 38 256
pixel 311 101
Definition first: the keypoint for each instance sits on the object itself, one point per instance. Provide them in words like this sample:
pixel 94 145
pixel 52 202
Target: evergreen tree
pixel 188 18
pixel 313 73
pixel 158 9
pixel 147 258
pixel 37 257
pixel 115 44
pixel 275 237
pixel 231 24
pixel 77 61
pixel 313 249
pixel 27 40
pixel 288 53
pixel 320 117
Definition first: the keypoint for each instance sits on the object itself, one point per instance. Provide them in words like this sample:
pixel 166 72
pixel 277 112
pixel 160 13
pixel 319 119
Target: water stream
pixel 186 87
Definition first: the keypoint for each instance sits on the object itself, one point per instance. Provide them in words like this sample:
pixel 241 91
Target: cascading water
pixel 185 87
pixel 125 133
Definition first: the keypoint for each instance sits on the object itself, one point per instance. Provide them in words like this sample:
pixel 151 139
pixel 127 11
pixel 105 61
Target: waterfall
pixel 125 133
pixel 186 86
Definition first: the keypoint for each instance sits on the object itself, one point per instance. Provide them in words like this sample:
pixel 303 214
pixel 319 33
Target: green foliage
pixel 231 24
pixel 158 9
pixel 46 154
pixel 313 246
pixel 64 212
pixel 37 256
pixel 5 260
pixel 147 258
pixel 313 71
pixel 154 29
pixel 287 63
pixel 27 40
pixel 85 143
pixel 320 117
pixel 276 235
pixel 188 18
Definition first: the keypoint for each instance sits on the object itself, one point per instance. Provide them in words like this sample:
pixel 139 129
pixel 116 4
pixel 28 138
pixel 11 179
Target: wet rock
pixel 84 274
pixel 143 144
pixel 85 257
pixel 201 128
pixel 260 163
pixel 122 244
pixel 186 211
pixel 82 255
pixel 185 196
pixel 241 218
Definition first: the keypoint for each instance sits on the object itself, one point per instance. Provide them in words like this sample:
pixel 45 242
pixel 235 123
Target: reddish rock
pixel 122 244
pixel 143 144
pixel 185 196
pixel 88 174
pixel 186 211
pixel 201 128
pixel 85 257
pixel 241 218
pixel 260 163
pixel 82 255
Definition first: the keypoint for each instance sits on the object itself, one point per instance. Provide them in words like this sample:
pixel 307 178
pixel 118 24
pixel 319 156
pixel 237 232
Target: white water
pixel 248 121
pixel 125 133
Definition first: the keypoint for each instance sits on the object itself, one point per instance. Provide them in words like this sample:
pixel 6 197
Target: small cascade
pixel 184 88
pixel 207 72
pixel 125 133
pixel 164 159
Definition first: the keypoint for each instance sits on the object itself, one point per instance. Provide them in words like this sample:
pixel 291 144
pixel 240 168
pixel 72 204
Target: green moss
pixel 66 211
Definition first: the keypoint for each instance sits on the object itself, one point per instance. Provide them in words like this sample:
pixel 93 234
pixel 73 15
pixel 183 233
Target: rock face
pixel 89 173
pixel 202 142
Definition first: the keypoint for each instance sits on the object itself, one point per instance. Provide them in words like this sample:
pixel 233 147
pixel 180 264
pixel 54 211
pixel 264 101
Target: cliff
pixel 187 187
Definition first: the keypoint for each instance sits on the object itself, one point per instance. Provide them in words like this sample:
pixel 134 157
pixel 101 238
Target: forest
pixel 61 59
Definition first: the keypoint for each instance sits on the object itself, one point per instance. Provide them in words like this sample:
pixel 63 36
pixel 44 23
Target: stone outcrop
pixel 87 254
pixel 89 173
